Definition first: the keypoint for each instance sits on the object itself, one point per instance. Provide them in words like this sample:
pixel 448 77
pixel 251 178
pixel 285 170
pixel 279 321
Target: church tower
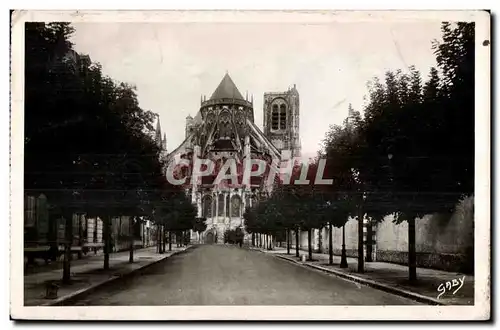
pixel 281 120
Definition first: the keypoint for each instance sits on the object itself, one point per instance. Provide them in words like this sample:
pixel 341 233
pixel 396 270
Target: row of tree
pixel 411 153
pixel 89 146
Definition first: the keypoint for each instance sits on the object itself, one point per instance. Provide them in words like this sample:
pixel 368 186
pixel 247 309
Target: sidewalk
pixel 42 267
pixel 88 274
pixel 392 278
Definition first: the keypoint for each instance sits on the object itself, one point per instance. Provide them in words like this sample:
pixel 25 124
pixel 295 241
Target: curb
pixel 61 301
pixel 376 285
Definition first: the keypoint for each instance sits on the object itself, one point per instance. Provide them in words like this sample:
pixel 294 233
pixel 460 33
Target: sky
pixel 173 64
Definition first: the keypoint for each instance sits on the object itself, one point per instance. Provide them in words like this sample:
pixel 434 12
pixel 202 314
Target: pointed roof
pixel 227 90
pixel 158 128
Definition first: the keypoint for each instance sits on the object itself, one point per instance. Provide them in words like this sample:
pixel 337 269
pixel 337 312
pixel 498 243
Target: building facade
pixel 224 132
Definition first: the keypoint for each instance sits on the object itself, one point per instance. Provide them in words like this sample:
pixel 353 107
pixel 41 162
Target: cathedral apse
pixel 223 145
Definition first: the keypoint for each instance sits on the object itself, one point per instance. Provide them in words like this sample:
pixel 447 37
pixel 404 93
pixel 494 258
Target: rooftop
pixel 227 90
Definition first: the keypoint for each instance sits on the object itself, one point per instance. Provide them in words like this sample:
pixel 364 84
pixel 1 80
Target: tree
pixel 181 214
pixel 417 149
pixel 200 226
pixel 82 132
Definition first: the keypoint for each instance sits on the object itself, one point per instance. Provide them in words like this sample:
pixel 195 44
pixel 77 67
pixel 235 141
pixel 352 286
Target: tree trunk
pixel 164 239
pixel 369 241
pixel 288 238
pixel 253 239
pixel 412 253
pixel 68 231
pixel 297 242
pixel 330 243
pixel 320 240
pixel 361 259
pixel 131 239
pixel 107 238
pixel 160 243
pixel 343 258
pixel 158 239
pixel 309 243
pixel 170 241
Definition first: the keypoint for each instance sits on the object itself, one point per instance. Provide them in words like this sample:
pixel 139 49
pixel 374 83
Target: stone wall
pixel 442 242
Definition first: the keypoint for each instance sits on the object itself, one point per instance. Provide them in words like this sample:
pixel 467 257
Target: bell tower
pixel 281 120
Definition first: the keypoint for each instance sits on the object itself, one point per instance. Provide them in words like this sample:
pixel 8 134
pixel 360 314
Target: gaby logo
pixel 228 172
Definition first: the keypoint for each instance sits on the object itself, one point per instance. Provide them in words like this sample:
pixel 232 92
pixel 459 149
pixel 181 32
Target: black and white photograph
pixel 250 165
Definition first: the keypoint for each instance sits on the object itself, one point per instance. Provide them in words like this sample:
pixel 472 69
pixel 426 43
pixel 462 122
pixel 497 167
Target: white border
pixel 481 309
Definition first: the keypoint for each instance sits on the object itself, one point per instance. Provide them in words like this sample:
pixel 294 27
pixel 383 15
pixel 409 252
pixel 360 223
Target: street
pixel 229 275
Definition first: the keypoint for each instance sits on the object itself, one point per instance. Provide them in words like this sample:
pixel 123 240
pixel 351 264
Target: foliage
pixel 234 236
pixel 89 146
pixel 200 225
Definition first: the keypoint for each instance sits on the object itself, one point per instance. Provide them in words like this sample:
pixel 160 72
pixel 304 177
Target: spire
pixel 158 127
pixel 158 131
pixel 164 141
pixel 226 90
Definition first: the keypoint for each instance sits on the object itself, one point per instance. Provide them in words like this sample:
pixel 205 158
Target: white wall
pixel 433 233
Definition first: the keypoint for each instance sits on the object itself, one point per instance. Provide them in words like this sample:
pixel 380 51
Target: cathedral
pixel 224 129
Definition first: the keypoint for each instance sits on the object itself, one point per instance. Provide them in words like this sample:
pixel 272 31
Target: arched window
pixel 214 209
pixel 207 206
pixel 235 206
pixel 283 116
pixel 275 117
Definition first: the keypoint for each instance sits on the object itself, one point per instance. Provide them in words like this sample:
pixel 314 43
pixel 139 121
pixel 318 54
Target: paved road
pixel 228 275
